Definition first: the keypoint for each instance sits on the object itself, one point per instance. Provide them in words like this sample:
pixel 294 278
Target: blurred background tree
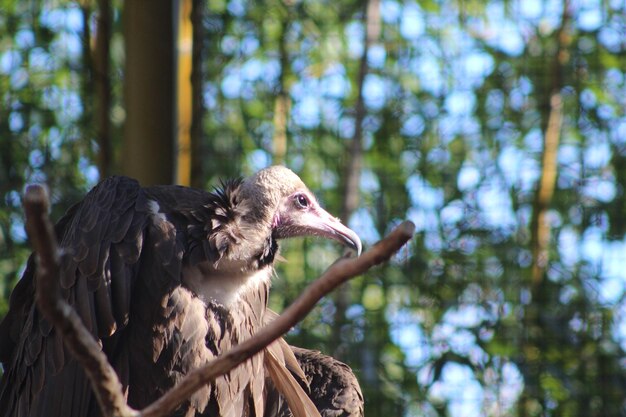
pixel 498 127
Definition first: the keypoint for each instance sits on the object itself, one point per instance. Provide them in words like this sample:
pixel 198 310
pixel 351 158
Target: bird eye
pixel 302 201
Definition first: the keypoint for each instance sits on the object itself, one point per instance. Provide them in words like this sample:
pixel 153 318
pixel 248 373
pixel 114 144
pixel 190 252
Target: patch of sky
pixel 611 38
pixel 412 22
pixel 503 33
pixel 252 69
pixel 24 39
pixel 390 11
pixel 36 159
pixel 354 34
pixel 495 205
pixel 374 91
pixel 70 106
pixel 10 61
pixel 13 199
pixel 614 275
pixel 355 311
pixel 229 45
pixel 409 336
pixel 620 326
pixel 249 44
pixel 606 112
pixel 427 70
pixel 510 40
pixel 368 182
pixel 300 65
pixel 67 46
pixel 589 16
pixel 413 126
pixel 59 19
pixel 611 289
pixel 54 138
pixel 209 95
pixel 40 60
pixel 409 160
pixel 618 133
pixel 603 190
pixel 460 103
pixel 568 154
pixel 231 84
pixel 452 213
pixel 432 240
pixel 331 111
pixel 512 385
pixel 591 246
pixel 613 78
pixel 551 16
pixel 529 9
pixel 258 159
pixel 533 141
pixel 335 85
pixel 528 174
pixel 306 112
pixel 89 170
pixel 422 194
pixel 597 155
pixel 566 295
pixel 461 390
pixel 16 121
pixel 362 222
pixel 440 155
pixel 588 99
pixel 376 56
pixel 568 244
pixel 17 232
pixel 328 179
pixel 305 87
pixel 236 7
pixel 346 127
pixel 424 220
pixel 466 316
pixel 469 177
pixel 477 65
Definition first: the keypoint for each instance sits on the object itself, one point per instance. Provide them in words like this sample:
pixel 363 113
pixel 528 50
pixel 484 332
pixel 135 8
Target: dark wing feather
pixel 40 376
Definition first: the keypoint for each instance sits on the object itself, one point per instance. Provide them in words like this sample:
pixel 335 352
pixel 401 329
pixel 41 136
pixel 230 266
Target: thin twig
pixel 339 272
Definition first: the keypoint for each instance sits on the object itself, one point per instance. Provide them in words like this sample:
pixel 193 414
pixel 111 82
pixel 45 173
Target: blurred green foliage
pixel 455 98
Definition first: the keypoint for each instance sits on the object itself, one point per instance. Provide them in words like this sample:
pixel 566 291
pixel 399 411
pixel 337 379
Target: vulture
pixel 166 278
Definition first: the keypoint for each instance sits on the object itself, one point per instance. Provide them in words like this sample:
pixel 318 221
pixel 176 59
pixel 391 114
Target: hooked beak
pixel 318 222
pixel 334 229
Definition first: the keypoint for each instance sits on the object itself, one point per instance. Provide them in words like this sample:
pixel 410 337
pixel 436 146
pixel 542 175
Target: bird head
pixel 278 198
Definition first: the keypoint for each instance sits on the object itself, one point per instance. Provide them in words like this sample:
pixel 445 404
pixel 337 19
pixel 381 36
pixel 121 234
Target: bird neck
pixel 229 285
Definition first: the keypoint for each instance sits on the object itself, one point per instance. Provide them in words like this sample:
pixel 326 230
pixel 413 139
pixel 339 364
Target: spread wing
pixel 123 250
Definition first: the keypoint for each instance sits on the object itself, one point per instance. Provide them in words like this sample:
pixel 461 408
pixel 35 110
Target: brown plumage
pixel 166 278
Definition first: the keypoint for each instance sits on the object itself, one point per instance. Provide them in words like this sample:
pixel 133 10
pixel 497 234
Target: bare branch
pixel 77 338
pixel 341 271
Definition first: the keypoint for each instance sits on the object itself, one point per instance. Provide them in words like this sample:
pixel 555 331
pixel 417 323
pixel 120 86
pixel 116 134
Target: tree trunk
pixel 185 101
pixel 102 84
pixel 198 174
pixel 533 344
pixel 150 90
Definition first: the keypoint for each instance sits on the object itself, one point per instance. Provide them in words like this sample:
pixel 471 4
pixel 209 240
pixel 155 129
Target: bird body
pixel 166 278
